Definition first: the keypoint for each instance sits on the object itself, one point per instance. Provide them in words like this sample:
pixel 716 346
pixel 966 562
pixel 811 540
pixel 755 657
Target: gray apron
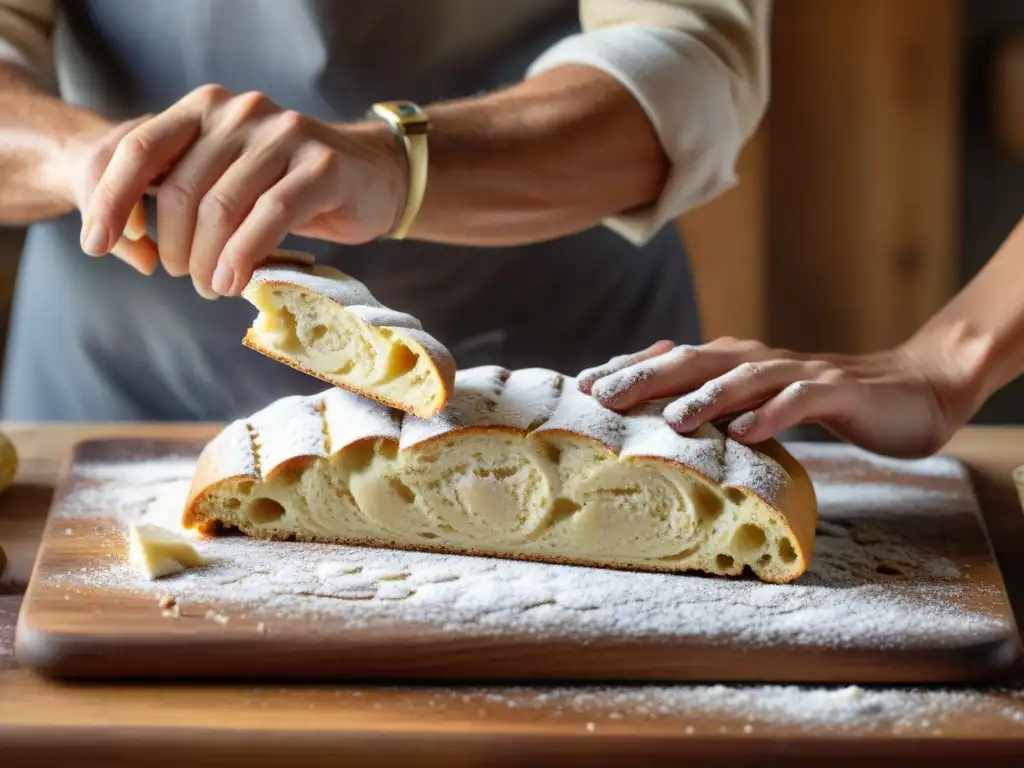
pixel 93 340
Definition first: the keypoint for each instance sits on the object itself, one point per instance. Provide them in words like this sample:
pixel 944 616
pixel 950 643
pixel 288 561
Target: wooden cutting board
pixel 903 589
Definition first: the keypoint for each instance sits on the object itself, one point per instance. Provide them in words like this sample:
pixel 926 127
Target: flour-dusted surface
pixel 755 711
pixel 737 709
pixel 878 579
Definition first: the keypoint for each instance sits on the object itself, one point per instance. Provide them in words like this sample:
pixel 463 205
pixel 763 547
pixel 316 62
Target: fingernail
pixel 610 387
pixel 684 411
pixel 133 232
pixel 206 294
pixel 223 279
pixel 688 409
pixel 95 239
pixel 743 423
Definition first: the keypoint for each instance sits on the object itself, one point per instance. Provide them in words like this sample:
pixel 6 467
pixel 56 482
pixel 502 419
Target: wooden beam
pixel 1007 94
pixel 727 246
pixel 862 169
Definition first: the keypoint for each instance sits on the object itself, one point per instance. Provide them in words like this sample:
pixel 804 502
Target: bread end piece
pixel 324 323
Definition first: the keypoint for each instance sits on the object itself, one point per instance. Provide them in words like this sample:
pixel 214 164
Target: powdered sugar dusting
pixel 746 468
pixel 582 415
pixel 588 376
pixel 850 597
pixel 747 708
pixel 286 429
pixel 532 399
pixel 694 403
pixel 326 281
pixel 490 396
pixel 357 299
pixel 648 434
pixel 382 316
pixel 856 462
pixel 350 418
pixel 614 385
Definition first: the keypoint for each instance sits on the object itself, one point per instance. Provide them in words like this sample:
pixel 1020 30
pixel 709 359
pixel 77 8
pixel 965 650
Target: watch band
pixel 410 124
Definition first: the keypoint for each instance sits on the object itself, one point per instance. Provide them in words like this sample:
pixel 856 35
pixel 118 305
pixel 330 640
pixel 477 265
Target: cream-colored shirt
pixel 699 68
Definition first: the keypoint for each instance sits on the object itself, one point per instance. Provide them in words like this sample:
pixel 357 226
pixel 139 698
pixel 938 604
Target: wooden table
pixel 106 725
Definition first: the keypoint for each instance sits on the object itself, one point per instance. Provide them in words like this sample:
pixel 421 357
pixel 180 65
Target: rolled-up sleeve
pixel 25 29
pixel 700 71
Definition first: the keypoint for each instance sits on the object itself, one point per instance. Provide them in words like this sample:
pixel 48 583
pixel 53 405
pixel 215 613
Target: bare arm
pixel 629 123
pixel 979 334
pixel 907 401
pixel 35 130
pixel 550 156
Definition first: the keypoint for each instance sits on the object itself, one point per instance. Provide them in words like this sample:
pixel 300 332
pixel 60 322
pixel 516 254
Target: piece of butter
pixel 155 552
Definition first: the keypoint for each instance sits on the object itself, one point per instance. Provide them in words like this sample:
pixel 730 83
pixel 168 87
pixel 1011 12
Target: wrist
pixel 962 360
pixel 384 168
pixel 66 161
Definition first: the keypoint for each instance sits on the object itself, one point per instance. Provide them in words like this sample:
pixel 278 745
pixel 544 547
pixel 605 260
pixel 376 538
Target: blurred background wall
pixel 889 167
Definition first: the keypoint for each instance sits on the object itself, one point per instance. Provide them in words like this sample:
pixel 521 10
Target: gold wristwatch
pixel 410 124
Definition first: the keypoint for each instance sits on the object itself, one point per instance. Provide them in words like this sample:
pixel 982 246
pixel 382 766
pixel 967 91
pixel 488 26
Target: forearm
pixel 981 331
pixel 550 156
pixel 35 129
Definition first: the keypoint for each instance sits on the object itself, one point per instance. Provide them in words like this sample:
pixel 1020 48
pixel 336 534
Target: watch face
pixel 405 115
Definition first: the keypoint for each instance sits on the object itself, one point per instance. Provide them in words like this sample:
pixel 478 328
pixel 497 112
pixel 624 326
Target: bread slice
pixel 327 324
pixel 517 465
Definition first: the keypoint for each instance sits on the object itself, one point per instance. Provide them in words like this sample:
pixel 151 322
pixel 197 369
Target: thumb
pixel 135 229
pixel 140 253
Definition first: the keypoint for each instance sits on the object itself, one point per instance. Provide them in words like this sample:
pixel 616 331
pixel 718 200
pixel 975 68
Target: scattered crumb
pixel 867 536
pixel 218 618
pixel 67 597
pixel 261 628
pixel 168 601
pixel 748 728
pixel 688 730
pixel 68 532
pixel 174 612
pixel 591 727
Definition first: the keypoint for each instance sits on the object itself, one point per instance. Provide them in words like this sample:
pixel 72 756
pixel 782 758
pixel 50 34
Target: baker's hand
pixel 905 402
pixel 237 174
pixel 86 155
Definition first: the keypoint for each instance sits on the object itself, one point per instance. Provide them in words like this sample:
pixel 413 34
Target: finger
pixel 179 195
pixel 141 156
pixel 587 377
pixel 135 229
pixel 229 203
pixel 744 386
pixel 99 158
pixel 295 199
pixel 681 370
pixel 799 403
pixel 140 254
pixel 648 379
pixel 97 164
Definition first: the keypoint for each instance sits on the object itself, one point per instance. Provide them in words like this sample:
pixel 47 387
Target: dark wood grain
pixel 112 633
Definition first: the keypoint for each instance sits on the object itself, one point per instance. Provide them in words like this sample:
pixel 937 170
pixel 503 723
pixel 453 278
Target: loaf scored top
pixel 517 464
